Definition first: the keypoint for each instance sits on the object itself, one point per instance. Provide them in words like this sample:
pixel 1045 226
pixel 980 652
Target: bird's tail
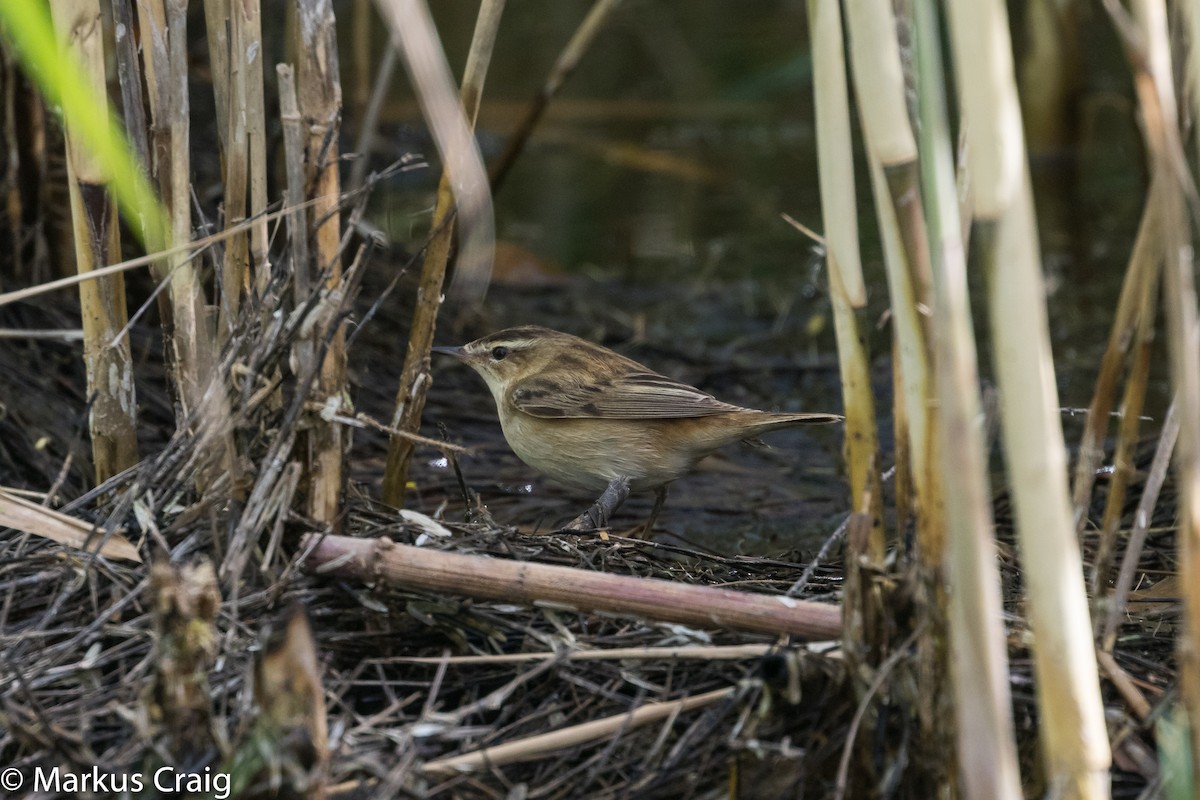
pixel 766 421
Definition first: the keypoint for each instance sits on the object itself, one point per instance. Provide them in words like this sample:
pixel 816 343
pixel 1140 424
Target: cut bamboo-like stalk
pixel 235 264
pixel 892 154
pixel 831 101
pixel 846 288
pixel 129 74
pixel 203 401
pixel 875 54
pixel 185 305
pixel 217 25
pixel 113 415
pixel 235 49
pixel 190 316
pixel 415 378
pixel 293 193
pixel 1075 741
pixel 136 128
pixel 319 96
pixel 1168 162
pixel 987 754
pixel 256 137
pixel 895 180
pixel 567 587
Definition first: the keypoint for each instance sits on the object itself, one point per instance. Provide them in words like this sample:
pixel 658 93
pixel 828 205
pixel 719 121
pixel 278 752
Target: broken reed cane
pixel 112 417
pixel 577 589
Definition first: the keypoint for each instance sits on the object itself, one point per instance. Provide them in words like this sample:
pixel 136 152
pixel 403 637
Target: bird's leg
pixel 660 499
pixel 608 502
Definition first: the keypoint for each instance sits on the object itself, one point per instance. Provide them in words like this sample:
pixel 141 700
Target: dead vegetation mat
pixel 114 664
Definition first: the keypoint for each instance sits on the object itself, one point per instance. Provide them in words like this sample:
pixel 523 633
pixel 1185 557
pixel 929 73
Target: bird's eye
pixel 499 353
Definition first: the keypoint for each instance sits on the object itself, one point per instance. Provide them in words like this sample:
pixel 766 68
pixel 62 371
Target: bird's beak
pixel 457 352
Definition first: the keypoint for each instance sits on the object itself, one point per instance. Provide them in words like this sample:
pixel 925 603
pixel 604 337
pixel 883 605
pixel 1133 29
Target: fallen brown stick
pixel 581 590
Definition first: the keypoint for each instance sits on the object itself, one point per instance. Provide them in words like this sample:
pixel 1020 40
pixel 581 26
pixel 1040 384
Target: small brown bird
pixel 595 420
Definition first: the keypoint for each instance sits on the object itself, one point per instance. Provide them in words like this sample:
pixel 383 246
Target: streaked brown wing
pixel 631 395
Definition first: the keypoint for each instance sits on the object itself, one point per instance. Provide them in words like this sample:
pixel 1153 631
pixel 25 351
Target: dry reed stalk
pixel 319 96
pixel 892 153
pixel 847 290
pixel 1130 418
pixel 414 35
pixel 733 652
pixel 1190 13
pixel 217 25
pixel 252 54
pixel 130 77
pixel 1134 697
pixel 1141 527
pixel 235 48
pixel 1143 266
pixel 566 587
pixel 865 619
pixel 987 754
pixel 235 263
pixel 112 419
pixel 164 63
pixel 204 404
pixel 568 60
pixel 901 447
pixel 134 110
pixel 1169 166
pixel 293 193
pixel 18 295
pixel 191 318
pixel 24 515
pixel 895 179
pixel 1074 738
pixel 535 746
pixel 415 377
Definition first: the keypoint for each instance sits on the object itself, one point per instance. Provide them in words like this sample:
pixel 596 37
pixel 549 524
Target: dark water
pixel 656 183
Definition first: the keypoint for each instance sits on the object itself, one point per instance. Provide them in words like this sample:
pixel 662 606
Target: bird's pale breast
pixel 588 453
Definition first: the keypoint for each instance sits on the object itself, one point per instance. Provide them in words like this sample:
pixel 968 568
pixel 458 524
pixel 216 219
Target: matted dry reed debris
pixel 119 666
pixel 102 659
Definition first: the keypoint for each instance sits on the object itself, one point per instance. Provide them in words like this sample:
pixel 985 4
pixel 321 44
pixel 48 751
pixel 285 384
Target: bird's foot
pixel 597 516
